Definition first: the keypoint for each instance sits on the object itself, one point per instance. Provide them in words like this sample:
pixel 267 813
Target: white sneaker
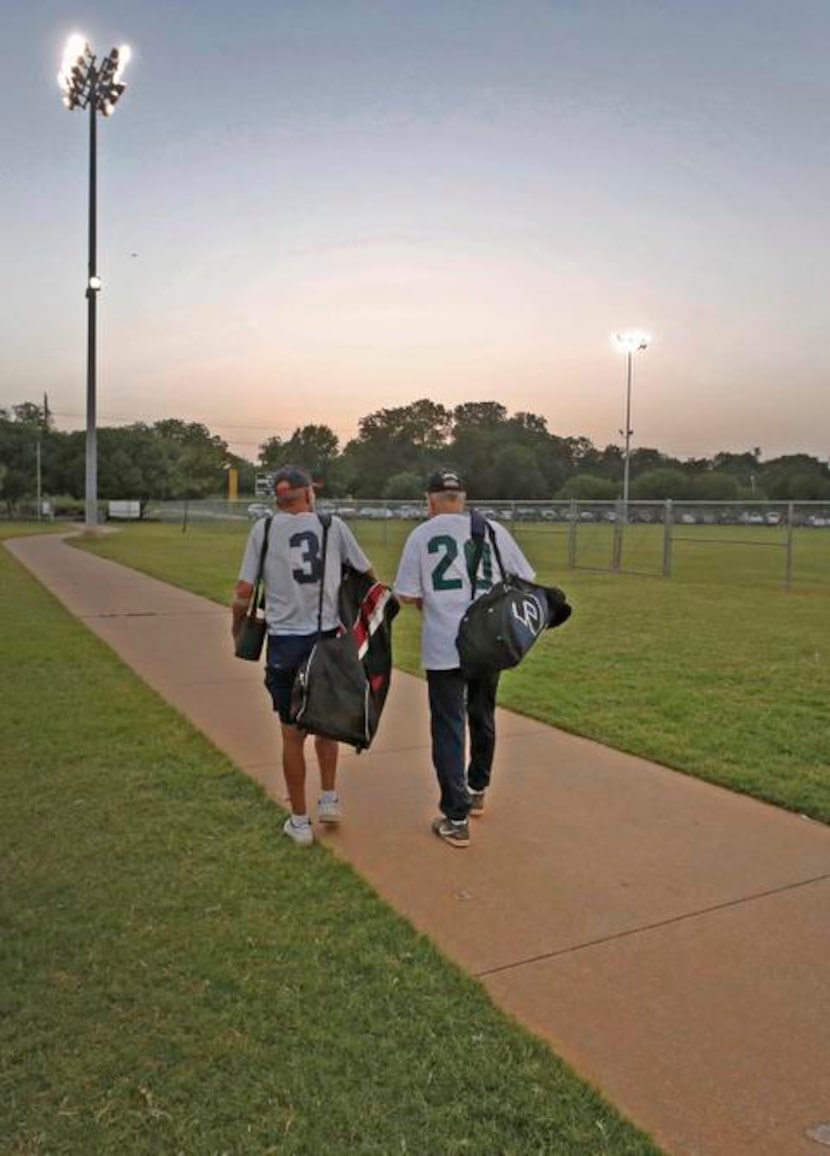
pixel 302 835
pixel 328 810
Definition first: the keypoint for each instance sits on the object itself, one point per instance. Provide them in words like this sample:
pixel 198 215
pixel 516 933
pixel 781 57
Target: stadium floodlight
pixel 629 344
pixel 87 84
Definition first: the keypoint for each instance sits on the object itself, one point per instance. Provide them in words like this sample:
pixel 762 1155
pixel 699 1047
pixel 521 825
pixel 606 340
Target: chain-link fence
pixel 776 543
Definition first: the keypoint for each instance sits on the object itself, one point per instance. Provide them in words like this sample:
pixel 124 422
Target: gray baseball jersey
pixel 293 569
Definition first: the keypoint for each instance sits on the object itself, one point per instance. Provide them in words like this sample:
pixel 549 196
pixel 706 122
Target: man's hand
pixel 239 605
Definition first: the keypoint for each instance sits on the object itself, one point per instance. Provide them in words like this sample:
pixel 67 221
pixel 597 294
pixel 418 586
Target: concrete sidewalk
pixel 670 939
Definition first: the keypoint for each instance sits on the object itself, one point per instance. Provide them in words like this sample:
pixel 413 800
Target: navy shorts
pixel 286 654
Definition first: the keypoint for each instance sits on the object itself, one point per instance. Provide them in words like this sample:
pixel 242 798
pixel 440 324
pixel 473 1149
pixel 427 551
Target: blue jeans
pixel 454 703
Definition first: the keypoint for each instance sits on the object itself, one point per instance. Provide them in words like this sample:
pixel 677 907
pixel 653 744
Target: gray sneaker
pixel 303 836
pixel 477 803
pixel 456 833
pixel 328 810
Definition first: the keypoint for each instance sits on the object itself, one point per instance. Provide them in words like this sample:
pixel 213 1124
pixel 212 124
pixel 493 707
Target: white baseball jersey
pixel 294 566
pixel 433 567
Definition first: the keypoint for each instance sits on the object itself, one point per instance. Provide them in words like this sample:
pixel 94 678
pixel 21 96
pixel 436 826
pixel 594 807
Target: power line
pixel 266 430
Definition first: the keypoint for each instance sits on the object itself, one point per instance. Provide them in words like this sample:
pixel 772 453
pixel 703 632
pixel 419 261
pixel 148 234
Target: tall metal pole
pixel 39 485
pixel 91 519
pixel 626 472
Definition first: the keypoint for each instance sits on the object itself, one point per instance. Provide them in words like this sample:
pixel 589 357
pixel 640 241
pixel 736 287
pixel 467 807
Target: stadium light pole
pixel 87 84
pixel 629 344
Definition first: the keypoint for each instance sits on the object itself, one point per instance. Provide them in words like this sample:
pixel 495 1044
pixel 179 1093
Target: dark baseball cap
pixel 445 481
pixel 295 476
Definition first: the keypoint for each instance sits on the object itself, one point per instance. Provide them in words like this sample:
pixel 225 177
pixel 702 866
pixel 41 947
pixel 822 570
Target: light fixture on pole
pixel 86 84
pixel 629 343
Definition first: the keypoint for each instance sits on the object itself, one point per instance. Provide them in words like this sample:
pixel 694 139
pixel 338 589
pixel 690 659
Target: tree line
pixel 501 456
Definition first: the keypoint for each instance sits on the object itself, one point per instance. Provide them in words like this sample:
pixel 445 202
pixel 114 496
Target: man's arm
pixel 239 606
pixel 351 552
pixel 407 585
pixel 250 565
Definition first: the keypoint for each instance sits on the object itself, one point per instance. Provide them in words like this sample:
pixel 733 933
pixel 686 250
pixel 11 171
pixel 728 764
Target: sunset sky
pixel 310 210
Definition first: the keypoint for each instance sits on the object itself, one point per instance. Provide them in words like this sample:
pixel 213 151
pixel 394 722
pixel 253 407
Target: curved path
pixel 670 939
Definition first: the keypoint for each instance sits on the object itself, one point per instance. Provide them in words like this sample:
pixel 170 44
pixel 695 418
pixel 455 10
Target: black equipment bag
pixel 500 627
pixel 332 694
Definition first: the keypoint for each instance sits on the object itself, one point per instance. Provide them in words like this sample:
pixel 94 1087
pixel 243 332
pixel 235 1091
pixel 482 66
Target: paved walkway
pixel 670 939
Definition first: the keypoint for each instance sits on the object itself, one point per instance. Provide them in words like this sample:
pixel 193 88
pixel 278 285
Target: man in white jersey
pixel 433 575
pixel 292 573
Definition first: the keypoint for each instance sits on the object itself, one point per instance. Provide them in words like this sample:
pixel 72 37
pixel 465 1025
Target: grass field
pixel 178 979
pixel 718 671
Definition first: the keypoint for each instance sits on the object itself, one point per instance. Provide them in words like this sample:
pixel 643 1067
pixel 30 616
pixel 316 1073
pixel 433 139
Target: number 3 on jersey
pixel 447 547
pixel 312 563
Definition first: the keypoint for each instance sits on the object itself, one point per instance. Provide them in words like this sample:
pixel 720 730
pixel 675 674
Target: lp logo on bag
pixel 529 613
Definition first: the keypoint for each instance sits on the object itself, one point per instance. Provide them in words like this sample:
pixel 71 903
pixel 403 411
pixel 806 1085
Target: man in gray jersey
pixel 434 575
pixel 292 573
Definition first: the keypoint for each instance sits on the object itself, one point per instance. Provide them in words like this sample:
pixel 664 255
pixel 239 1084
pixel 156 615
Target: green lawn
pixel 718 671
pixel 178 978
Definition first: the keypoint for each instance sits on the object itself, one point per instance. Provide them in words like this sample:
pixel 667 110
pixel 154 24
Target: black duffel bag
pixel 331 695
pixel 500 627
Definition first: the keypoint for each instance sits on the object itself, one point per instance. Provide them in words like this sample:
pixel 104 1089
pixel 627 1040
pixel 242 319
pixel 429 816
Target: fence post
pixel 184 517
pixel 668 525
pixel 788 577
pixel 572 535
pixel 617 542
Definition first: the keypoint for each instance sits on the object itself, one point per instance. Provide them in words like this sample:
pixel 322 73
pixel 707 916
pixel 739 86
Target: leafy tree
pixel 473 454
pixel 271 454
pixel 796 477
pixel 663 483
pixel 477 415
pixel 135 463
pixel 589 487
pixel 18 441
pixel 312 446
pixel 583 454
pixel 406 484
pixel 27 413
pixel 644 460
pixel 716 486
pixel 13 486
pixel 392 440
pixel 516 474
pixel 195 458
pixel 742 466
pixel 424 425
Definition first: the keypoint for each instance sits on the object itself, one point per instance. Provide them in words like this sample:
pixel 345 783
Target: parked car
pixel 259 510
pixel 374 512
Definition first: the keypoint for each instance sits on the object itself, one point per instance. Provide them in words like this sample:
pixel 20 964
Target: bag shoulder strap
pixel 258 599
pixel 479 528
pixel 325 522
pixel 491 533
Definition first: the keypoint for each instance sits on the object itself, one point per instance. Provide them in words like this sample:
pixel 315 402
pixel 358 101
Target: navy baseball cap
pixel 295 477
pixel 445 482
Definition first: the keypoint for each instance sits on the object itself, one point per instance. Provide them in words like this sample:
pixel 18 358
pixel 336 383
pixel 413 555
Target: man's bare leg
pixel 326 750
pixel 293 767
